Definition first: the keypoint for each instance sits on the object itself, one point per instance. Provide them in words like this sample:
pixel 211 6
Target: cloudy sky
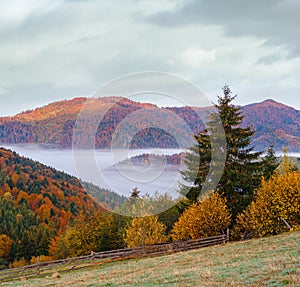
pixel 52 50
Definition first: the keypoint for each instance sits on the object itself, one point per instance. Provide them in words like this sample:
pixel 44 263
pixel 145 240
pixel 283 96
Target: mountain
pixel 55 196
pixel 54 124
pixel 38 202
pixel 275 123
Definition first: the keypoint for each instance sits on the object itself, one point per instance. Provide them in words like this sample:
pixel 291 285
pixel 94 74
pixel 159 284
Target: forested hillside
pixel 145 159
pixel 275 124
pixel 38 202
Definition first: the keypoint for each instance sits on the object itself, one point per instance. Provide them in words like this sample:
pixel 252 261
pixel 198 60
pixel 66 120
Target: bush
pixel 19 263
pixel 208 218
pixel 3 263
pixel 43 258
pixel 145 230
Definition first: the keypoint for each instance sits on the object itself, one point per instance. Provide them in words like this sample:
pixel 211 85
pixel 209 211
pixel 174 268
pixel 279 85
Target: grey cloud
pixel 69 49
pixel 213 12
pixel 274 21
pixel 86 39
pixel 270 59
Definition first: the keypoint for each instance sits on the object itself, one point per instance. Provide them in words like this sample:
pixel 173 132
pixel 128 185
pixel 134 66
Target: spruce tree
pixel 270 163
pixel 243 168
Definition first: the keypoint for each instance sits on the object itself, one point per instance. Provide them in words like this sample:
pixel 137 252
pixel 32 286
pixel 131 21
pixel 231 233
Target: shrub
pixel 5 245
pixel 43 258
pixel 208 218
pixel 19 263
pixel 145 230
pixel 3 263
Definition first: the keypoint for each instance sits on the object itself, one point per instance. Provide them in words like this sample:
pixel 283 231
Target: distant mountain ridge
pixel 275 124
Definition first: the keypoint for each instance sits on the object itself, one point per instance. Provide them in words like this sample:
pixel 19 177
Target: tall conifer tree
pixel 243 168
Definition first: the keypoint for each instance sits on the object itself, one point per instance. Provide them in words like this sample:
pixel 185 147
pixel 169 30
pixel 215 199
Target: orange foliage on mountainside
pixel 275 124
pixel 54 124
pixel 73 107
pixel 51 111
pixel 55 196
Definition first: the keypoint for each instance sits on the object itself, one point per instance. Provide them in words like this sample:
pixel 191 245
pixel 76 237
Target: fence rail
pixel 42 269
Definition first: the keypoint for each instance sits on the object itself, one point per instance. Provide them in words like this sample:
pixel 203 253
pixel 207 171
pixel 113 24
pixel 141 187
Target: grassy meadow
pixel 272 261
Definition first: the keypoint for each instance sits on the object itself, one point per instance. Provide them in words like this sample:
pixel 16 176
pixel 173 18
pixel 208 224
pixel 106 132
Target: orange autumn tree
pixel 276 206
pixel 207 218
pixel 5 245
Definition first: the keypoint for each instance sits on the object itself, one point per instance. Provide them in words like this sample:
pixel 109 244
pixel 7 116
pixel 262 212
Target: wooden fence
pixel 42 269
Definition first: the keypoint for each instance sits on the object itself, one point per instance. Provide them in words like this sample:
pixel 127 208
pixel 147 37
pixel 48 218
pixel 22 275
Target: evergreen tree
pixel 243 169
pixel 270 163
pixel 27 231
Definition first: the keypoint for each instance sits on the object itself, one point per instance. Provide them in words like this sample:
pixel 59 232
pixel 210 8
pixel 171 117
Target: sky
pixel 55 50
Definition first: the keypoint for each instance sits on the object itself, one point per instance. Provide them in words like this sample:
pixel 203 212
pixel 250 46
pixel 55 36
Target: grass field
pixel 273 261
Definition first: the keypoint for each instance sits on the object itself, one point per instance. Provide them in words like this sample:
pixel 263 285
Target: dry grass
pixel 273 261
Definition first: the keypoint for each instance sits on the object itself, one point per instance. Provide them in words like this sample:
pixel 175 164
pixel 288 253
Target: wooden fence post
pixel 286 223
pixel 227 235
pixel 38 265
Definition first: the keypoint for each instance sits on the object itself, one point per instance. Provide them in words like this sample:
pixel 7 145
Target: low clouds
pixel 52 50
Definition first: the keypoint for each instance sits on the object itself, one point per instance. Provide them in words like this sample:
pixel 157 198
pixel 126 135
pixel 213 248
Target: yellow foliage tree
pixel 8 196
pixel 86 236
pixel 287 164
pixel 145 230
pixel 208 218
pixel 5 245
pixel 275 207
pixel 96 232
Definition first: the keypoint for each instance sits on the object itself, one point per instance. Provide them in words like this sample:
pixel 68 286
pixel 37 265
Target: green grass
pixel 272 261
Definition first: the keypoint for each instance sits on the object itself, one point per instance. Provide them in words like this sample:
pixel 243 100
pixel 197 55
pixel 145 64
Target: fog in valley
pixel 106 168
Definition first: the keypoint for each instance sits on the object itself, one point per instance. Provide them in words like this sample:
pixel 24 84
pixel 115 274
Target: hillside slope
pixel 53 194
pixel 272 261
pixel 54 124
pixel 38 202
pixel 275 124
